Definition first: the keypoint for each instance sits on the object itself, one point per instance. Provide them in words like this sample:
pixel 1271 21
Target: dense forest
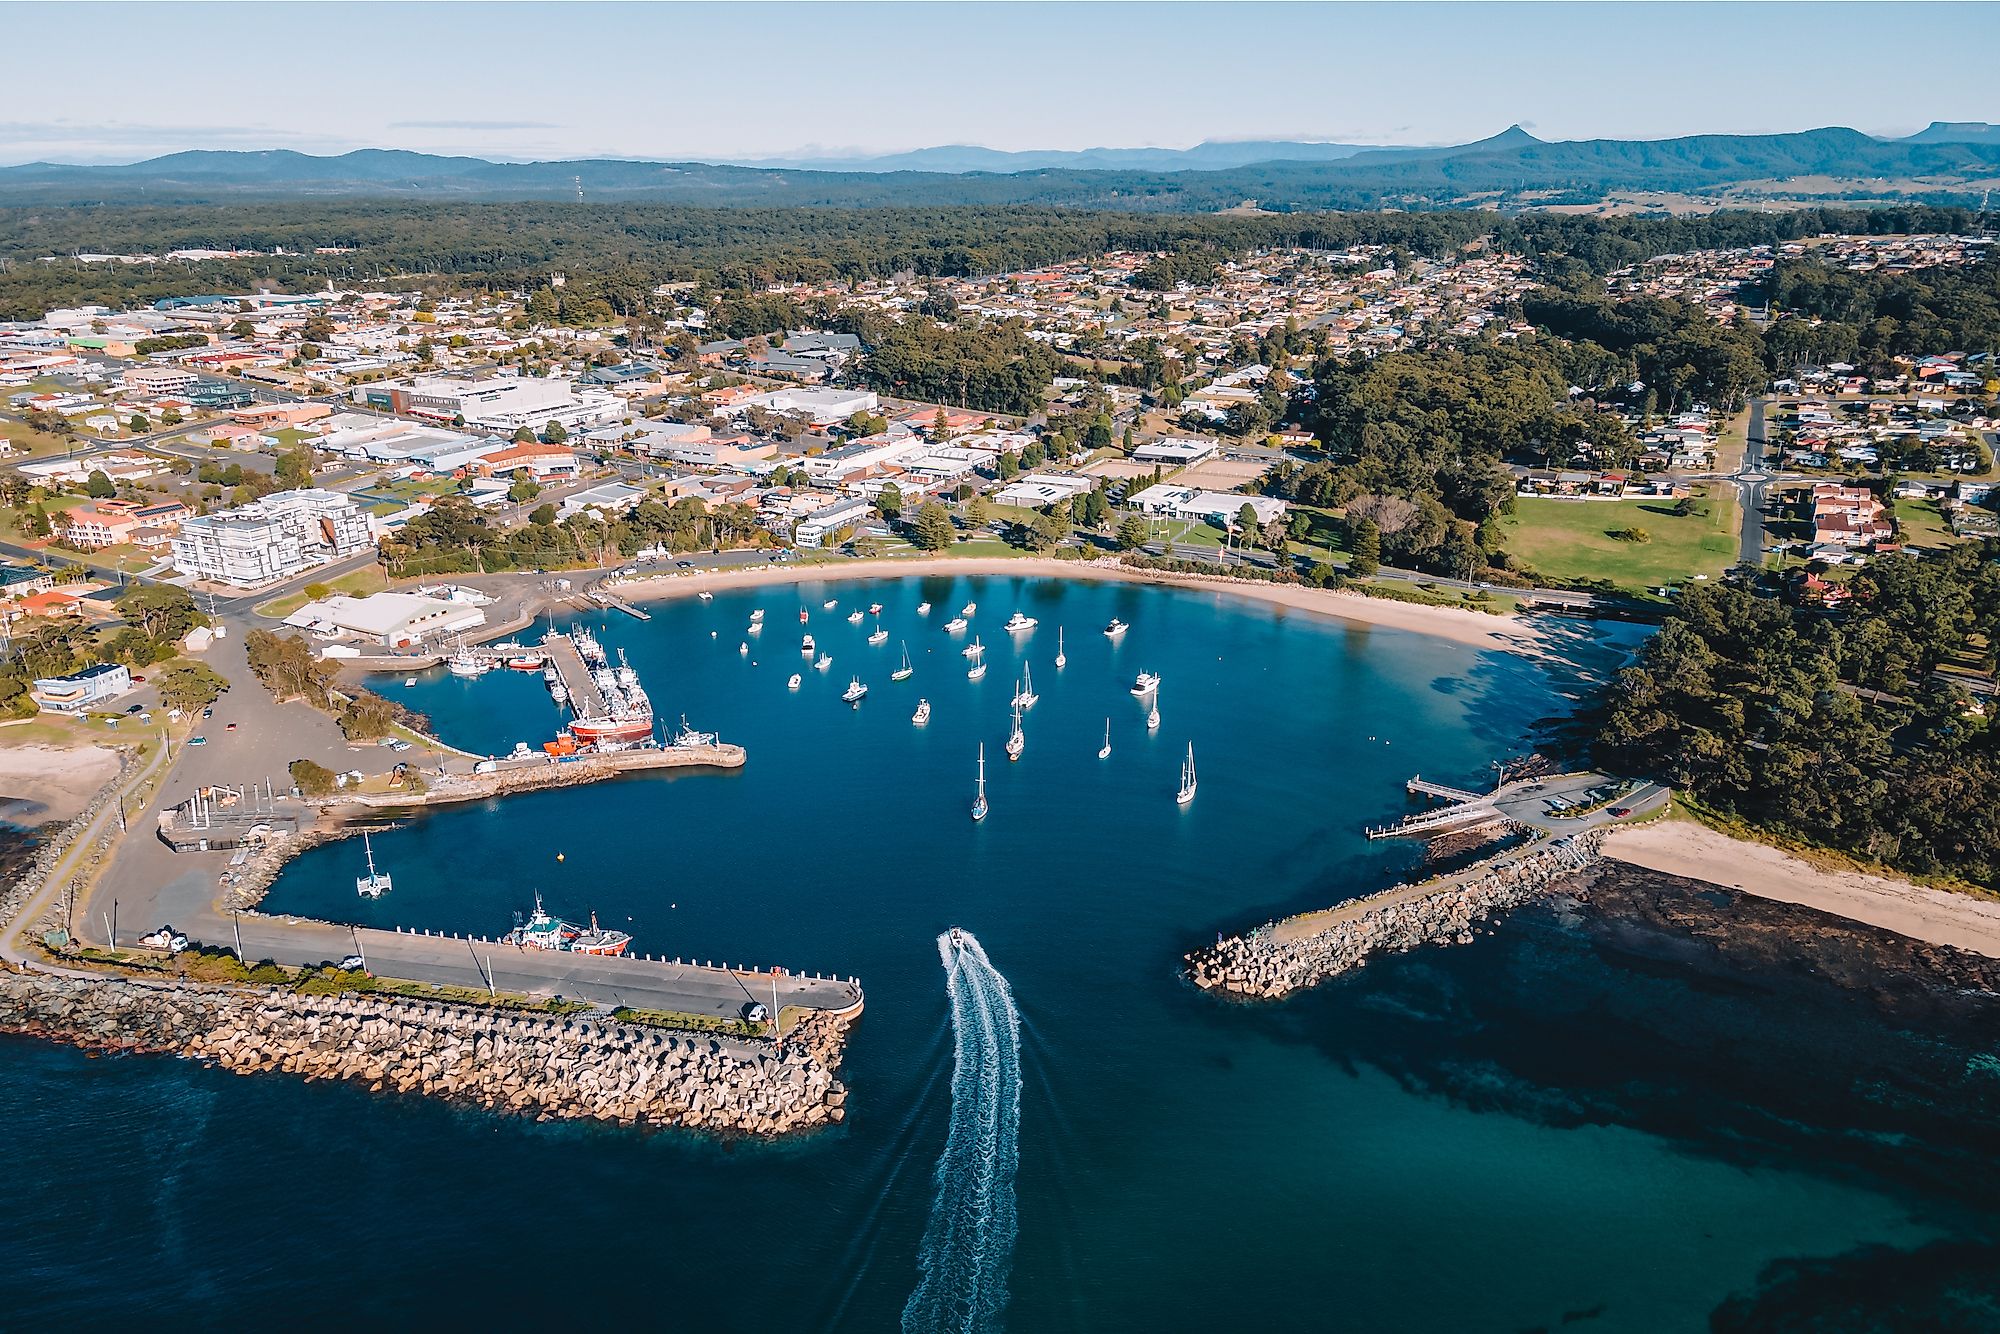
pixel 623 251
pixel 1757 709
pixel 1867 318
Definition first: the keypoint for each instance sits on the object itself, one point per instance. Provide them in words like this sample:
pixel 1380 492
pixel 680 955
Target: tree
pixel 99 485
pixel 243 329
pixel 426 351
pixel 524 435
pixel 171 417
pixel 932 530
pixel 1009 466
pixel 1246 520
pixel 161 612
pixel 34 523
pixel 524 489
pixel 977 512
pixel 1132 532
pixel 889 500
pixel 941 425
pixel 189 686
pixel 554 433
pixel 138 425
pixel 368 716
pixel 313 779
pixel 295 467
pixel 1047 531
pixel 1033 454
pixel 308 351
pixel 544 515
pixel 1364 548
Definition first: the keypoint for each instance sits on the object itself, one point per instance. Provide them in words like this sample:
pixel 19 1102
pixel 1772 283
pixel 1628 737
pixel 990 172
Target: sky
pixel 748 80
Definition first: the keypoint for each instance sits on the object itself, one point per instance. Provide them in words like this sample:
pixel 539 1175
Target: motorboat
pixel 829 604
pixel 968 609
pixel 880 636
pixel 1019 624
pixel 1147 683
pixel 979 793
pixel 955 625
pixel 825 661
pixel 977 671
pixel 1187 778
pixel 874 609
pixel 1116 628
pixel 755 628
pixel 854 617
pixel 974 649
pixel 1104 751
pixel 923 713
pixel 793 684
pixel 743 647
pixel 854 692
pixel 804 616
pixel 905 672
pixel 806 646
pixel 923 609
pixel 409 681
pixel 559 693
pixel 757 615
pixel 1062 658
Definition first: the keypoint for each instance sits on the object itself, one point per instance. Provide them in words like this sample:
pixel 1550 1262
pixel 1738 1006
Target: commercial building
pixel 813 530
pixel 106 523
pixel 539 461
pixel 1221 507
pixel 822 407
pixel 1174 452
pixel 501 404
pixel 396 620
pixel 1042 488
pixel 81 690
pixel 276 537
pixel 160 379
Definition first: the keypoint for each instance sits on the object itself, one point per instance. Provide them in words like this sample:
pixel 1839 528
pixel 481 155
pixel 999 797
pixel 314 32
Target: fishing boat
pixel 463 663
pixel 1024 693
pixel 825 661
pixel 854 692
pixel 559 693
pixel 689 739
pixel 854 617
pixel 874 609
pixel 1147 683
pixel 540 931
pixel 979 793
pixel 1115 629
pixel 627 678
pixel 974 649
pixel 409 681
pixel 923 713
pixel 793 684
pixel 806 646
pixel 1187 778
pixel 376 883
pixel 1062 658
pixel 588 648
pixel 599 940
pixel 923 609
pixel 905 672
pixel 1016 740
pixel 1019 624
pixel 976 671
pixel 968 609
pixel 525 662
pixel 954 625
pixel 1104 751
pixel 880 636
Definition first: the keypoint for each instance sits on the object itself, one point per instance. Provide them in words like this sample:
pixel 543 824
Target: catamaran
pixel 855 690
pixel 1147 684
pixel 1017 623
pixel 705 595
pixel 1016 742
pixel 1104 751
pixel 905 672
pixel 923 713
pixel 1062 658
pixel 376 883
pixel 1024 693
pixel 1187 778
pixel 979 797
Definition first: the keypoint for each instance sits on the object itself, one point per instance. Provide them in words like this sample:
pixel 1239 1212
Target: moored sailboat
pixel 979 793
pixel 1187 778
pixel 905 672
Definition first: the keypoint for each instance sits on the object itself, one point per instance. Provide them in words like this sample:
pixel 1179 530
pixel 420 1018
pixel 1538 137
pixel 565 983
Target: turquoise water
pixel 1530 1131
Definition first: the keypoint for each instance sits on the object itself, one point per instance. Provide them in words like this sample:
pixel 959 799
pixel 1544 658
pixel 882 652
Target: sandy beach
pixel 43 783
pixel 1680 847
pixel 1475 628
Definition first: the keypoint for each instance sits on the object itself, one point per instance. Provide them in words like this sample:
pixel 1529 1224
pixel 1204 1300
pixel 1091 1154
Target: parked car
pixel 1620 812
pixel 166 938
pixel 230 728
pixel 197 741
pixel 135 708
pixel 208 713
pixel 352 962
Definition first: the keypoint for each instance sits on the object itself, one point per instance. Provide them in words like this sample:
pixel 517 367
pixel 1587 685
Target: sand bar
pixel 1475 628
pixel 40 783
pixel 1680 847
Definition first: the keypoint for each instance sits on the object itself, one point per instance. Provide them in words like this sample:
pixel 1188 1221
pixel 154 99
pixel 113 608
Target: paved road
pixel 1751 480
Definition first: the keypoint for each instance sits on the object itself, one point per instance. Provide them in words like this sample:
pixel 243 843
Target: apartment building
pixel 273 538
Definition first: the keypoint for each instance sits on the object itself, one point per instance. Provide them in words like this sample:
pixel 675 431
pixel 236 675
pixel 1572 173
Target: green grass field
pixel 358 583
pixel 1570 539
pixel 1923 525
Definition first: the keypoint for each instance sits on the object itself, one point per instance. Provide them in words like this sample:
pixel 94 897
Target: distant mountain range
pixel 1513 168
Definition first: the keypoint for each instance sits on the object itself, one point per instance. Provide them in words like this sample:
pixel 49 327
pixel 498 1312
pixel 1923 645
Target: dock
pixel 585 699
pixel 605 598
pixel 1464 808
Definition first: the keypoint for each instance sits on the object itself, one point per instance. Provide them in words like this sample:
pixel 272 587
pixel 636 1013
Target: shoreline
pixel 1696 852
pixel 42 784
pixel 1476 629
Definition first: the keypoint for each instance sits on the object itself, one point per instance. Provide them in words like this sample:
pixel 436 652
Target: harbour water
pixel 1535 1130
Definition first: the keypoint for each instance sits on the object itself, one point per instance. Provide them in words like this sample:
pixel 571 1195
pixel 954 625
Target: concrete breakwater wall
pixel 534 775
pixel 545 1066
pixel 1283 957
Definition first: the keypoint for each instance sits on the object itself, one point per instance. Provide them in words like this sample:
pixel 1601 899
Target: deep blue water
pixel 1526 1132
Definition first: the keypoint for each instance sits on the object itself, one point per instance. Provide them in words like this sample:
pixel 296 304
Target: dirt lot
pixel 1118 468
pixel 1219 474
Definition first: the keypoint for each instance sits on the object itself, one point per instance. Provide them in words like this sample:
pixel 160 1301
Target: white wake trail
pixel 968 1244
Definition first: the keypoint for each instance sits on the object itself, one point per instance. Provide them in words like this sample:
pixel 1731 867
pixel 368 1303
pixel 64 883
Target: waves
pixel 968 1244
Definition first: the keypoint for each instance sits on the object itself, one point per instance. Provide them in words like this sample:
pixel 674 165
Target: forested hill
pixel 1512 167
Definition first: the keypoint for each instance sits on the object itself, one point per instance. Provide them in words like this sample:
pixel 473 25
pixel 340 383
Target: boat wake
pixel 968 1244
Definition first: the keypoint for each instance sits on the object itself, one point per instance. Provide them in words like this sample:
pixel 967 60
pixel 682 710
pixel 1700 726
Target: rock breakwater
pixel 545 1066
pixel 1282 957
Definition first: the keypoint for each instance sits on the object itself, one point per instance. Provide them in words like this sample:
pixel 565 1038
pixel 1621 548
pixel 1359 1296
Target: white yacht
pixel 829 604
pixel 1104 751
pixel 825 661
pixel 855 690
pixel 1116 628
pixel 974 649
pixel 923 609
pixel 905 672
pixel 1148 683
pixel 793 684
pixel 954 625
pixel 376 883
pixel 1016 742
pixel 923 713
pixel 979 793
pixel 743 647
pixel 806 646
pixel 1187 778
pixel 755 628
pixel 1024 693
pixel 854 617
pixel 968 609
pixel 1062 658
pixel 1017 623
pixel 757 615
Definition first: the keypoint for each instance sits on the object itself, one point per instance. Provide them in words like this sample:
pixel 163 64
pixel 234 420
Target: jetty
pixel 585 699
pixel 604 597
